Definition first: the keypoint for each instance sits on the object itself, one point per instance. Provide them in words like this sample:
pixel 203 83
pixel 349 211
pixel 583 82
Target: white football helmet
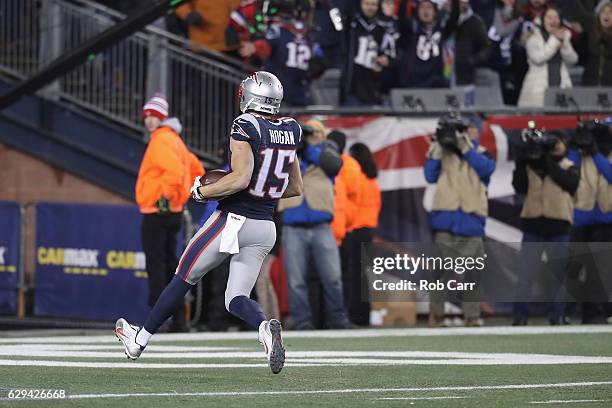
pixel 261 92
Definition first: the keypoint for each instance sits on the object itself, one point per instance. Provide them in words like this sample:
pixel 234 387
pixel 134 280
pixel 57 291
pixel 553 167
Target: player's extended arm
pixel 239 178
pixel 296 186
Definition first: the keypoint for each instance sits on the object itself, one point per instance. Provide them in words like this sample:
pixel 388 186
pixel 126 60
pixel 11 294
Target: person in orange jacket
pixel 166 173
pixel 364 222
pixel 338 224
pixel 208 22
pixel 369 198
pixel 347 194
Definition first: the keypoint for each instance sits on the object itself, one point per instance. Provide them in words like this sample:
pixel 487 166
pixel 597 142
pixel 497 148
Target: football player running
pixel 264 168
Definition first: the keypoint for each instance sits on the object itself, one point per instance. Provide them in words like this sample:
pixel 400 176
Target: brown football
pixel 213 176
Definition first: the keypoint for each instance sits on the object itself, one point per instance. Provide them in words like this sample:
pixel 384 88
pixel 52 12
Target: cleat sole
pixel 277 354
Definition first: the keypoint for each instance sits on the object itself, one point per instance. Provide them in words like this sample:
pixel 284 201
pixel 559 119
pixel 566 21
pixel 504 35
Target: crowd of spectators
pixel 379 45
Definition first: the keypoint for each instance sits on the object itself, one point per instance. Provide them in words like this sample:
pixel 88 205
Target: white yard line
pixel 155 348
pixel 418 398
pixel 524 360
pixel 82 364
pixel 344 391
pixel 339 334
pixel 564 401
pixel 302 363
pixel 296 358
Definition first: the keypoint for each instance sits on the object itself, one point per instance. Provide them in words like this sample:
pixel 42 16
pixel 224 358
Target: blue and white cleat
pixel 126 333
pixel 270 337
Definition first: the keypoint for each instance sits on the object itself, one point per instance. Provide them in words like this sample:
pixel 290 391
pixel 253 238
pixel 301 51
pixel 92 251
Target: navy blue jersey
pixel 423 62
pixel 290 53
pixel 365 40
pixel 273 142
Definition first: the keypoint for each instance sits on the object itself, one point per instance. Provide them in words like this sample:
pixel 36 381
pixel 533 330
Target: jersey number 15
pixel 279 160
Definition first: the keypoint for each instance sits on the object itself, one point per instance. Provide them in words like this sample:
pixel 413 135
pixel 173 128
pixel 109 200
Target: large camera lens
pixel 446 136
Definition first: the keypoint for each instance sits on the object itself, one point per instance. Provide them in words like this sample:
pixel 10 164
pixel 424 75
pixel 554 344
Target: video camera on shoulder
pixel 590 132
pixel 446 132
pixel 537 142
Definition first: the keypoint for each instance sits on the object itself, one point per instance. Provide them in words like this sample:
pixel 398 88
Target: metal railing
pixel 19 37
pixel 200 86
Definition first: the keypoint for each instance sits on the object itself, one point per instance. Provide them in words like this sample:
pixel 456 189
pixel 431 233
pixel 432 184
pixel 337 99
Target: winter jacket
pixel 580 11
pixel 549 186
pixel 215 16
pixel 316 204
pixel 594 194
pixel 368 204
pixel 472 48
pixel 167 170
pixel 460 203
pixel 350 173
pixel 539 53
pixel 338 224
pixel 598 60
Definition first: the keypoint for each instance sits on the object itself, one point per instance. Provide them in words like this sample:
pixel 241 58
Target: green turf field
pixel 508 367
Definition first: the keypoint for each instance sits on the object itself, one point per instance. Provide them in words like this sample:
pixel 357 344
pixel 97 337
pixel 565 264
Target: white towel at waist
pixel 229 235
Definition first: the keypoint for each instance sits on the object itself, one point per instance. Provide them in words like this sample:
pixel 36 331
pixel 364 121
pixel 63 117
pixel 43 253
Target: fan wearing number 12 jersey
pixel 264 168
pixel 286 51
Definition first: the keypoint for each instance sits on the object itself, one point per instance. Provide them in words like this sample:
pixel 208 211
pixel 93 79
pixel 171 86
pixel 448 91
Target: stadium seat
pixel 487 78
pixel 488 97
pixel 488 89
pixel 325 90
pixel 579 99
pixel 425 99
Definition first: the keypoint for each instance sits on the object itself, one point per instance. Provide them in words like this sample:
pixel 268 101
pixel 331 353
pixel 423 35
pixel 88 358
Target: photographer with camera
pixel 549 180
pixel 591 149
pixel 307 236
pixel 461 169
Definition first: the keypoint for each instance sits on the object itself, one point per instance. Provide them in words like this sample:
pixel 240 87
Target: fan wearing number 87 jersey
pixel 273 142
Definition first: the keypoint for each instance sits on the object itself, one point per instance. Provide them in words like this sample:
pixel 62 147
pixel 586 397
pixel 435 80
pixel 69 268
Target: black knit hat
pixel 338 137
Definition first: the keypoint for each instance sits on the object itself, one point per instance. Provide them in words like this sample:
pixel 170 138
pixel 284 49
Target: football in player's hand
pixel 213 176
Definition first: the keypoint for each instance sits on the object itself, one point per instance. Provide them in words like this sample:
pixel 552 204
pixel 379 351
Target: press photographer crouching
pixel 307 236
pixel 549 180
pixel 590 149
pixel 461 169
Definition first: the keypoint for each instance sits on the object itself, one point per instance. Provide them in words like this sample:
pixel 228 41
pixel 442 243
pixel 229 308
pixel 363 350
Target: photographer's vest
pixel 459 186
pixel 545 198
pixel 593 188
pixel 318 192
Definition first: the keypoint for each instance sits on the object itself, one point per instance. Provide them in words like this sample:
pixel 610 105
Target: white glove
pixel 464 143
pixel 435 151
pixel 195 194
